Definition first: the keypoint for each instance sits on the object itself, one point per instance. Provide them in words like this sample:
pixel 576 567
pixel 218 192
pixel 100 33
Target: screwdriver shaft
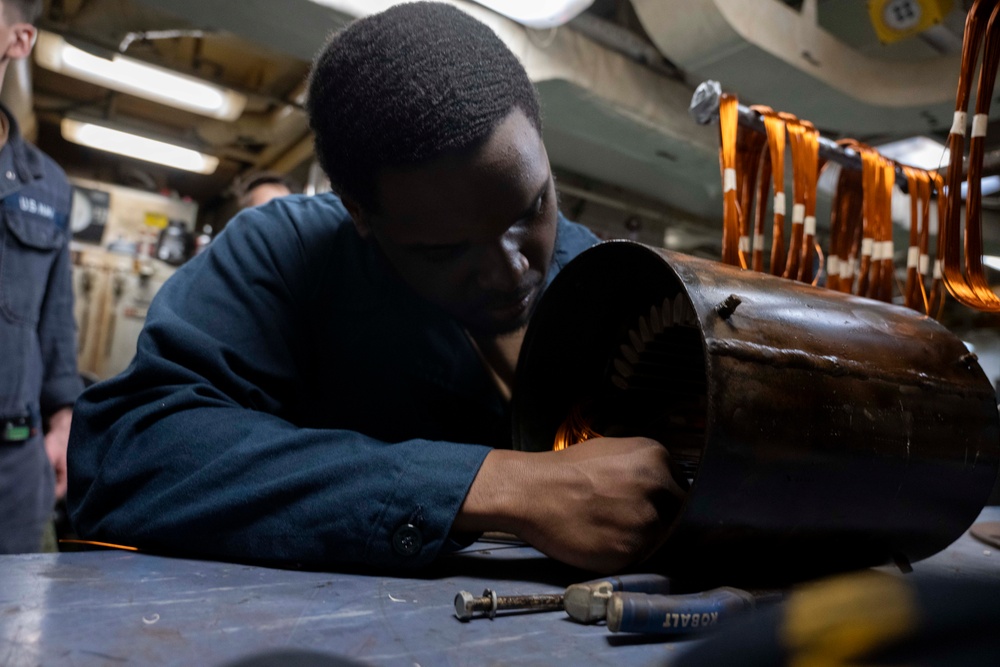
pixel 466 605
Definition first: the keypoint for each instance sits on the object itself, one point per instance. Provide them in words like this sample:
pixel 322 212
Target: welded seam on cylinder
pixel 831 365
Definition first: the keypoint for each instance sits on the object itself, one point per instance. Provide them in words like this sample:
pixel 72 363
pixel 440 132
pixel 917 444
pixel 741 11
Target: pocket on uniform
pixel 30 246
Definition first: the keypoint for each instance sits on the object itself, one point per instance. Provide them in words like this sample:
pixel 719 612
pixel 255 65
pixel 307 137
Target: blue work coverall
pixel 38 373
pixel 291 401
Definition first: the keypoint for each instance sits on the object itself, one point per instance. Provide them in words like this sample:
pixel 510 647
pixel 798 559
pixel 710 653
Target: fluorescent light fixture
pixel 988 185
pixel 919 152
pixel 992 262
pixel 137 78
pixel 134 146
pixel 538 13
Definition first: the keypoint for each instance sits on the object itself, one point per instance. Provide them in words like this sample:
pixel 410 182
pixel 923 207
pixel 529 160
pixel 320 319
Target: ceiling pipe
pixel 300 152
pixel 622 40
pixel 281 125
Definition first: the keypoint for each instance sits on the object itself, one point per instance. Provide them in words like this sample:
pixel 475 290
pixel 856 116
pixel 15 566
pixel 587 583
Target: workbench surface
pixel 121 608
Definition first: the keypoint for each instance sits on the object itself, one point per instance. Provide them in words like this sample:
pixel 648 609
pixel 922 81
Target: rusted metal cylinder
pixel 817 432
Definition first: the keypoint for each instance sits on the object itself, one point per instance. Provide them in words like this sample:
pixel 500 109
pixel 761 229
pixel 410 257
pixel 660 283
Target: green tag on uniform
pixel 16 433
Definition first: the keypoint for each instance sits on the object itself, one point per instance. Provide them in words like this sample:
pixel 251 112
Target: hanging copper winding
pixel 970 287
pixel 810 164
pixel 775 129
pixel 795 130
pixel 869 180
pixel 751 146
pixel 845 227
pixel 886 270
pixel 914 292
pixel 728 130
pixel 936 296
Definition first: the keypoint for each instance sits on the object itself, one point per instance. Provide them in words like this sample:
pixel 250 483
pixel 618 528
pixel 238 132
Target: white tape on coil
pixel 833 265
pixel 758 241
pixel 779 203
pixel 888 250
pixel 925 264
pixel 866 247
pixel 979 122
pixel 728 180
pixel 913 257
pixel 744 244
pixel 937 270
pixel 798 214
pixel 810 223
pixel 958 123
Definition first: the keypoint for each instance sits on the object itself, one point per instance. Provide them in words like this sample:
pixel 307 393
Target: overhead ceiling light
pixel 140 79
pixel 134 146
pixel 988 185
pixel 920 152
pixel 992 262
pixel 538 13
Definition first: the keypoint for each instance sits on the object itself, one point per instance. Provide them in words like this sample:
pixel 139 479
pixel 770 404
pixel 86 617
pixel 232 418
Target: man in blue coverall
pixel 329 383
pixel 38 374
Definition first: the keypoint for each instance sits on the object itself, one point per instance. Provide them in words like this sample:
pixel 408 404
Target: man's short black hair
pixel 406 86
pixel 22 11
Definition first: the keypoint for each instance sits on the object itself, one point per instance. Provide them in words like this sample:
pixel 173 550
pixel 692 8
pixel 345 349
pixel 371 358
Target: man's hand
pixel 600 505
pixel 56 440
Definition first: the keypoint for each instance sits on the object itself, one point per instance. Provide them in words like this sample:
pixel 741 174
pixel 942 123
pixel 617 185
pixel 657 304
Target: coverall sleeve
pixel 189 450
pixel 61 382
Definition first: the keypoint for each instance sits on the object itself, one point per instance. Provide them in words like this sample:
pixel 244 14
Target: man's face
pixel 265 192
pixel 473 234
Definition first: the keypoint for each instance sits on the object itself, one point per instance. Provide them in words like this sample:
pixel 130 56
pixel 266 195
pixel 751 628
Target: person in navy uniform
pixel 328 384
pixel 38 374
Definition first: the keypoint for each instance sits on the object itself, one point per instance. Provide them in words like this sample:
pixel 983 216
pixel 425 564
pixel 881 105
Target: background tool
pixel 681 614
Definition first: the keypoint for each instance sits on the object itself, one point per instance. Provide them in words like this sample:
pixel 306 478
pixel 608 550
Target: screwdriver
pixel 636 603
pixel 682 614
pixel 586 602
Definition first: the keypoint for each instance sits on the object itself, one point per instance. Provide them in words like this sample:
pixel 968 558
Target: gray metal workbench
pixel 119 608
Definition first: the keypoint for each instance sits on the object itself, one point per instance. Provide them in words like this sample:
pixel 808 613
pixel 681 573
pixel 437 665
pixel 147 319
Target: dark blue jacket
pixel 291 401
pixel 38 373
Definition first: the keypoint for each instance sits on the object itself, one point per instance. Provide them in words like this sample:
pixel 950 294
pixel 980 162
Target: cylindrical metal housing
pixel 817 432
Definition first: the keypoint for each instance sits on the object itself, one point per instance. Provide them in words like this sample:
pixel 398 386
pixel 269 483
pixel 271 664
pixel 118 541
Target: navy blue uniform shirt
pixel 291 401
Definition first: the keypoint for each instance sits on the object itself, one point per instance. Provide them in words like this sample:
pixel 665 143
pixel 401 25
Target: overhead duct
pixel 606 116
pixel 773 54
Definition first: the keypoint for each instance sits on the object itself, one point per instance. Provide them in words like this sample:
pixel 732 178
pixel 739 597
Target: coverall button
pixel 407 540
pixel 10 176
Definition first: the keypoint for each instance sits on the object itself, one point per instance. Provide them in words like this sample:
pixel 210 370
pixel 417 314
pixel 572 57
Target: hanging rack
pixel 704 109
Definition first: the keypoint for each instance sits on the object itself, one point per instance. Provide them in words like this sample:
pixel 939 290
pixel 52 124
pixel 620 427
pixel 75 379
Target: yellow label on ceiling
pixel 157 220
pixel 894 20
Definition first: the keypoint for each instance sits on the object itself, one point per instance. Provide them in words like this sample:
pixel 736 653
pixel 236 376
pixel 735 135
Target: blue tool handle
pixel 639 583
pixel 676 614
pixel 588 602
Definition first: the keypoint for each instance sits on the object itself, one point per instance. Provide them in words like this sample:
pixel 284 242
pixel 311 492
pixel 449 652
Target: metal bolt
pixel 728 307
pixel 466 606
